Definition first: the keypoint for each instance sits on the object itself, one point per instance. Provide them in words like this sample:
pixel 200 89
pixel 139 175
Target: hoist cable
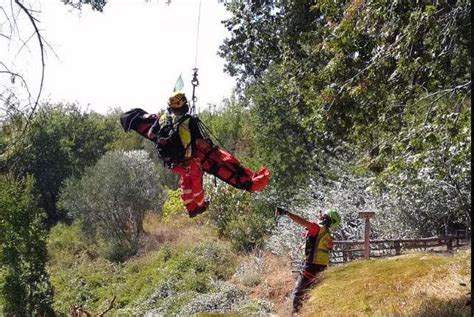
pixel 197 34
pixel 195 81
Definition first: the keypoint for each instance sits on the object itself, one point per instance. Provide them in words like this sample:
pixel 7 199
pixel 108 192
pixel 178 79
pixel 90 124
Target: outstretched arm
pixel 298 219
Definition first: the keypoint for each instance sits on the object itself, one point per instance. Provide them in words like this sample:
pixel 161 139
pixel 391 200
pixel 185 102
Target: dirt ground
pixel 277 283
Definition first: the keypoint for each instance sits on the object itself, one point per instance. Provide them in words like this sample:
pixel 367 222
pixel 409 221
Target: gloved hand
pixel 280 211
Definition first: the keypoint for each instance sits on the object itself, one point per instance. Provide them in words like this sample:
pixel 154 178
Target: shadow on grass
pixel 445 308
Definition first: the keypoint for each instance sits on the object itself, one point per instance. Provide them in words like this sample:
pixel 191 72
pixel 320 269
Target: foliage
pixel 122 141
pixel 225 298
pixel 382 85
pixel 340 190
pixel 433 161
pixel 26 290
pixel 248 231
pixel 67 243
pixel 111 198
pixel 250 272
pixel 176 280
pixel 238 216
pixel 95 4
pixel 162 280
pixel 61 141
pixel 232 128
pixel 79 275
pixel 173 205
pixel 254 42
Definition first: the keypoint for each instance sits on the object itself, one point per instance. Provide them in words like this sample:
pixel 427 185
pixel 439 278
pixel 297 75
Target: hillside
pixel 409 285
pixel 185 268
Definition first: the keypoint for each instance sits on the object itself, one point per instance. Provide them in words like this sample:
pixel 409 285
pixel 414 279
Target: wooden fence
pixel 346 251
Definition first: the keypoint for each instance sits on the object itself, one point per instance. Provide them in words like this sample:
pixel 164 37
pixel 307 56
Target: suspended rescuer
pixel 176 132
pixel 317 248
pixel 185 148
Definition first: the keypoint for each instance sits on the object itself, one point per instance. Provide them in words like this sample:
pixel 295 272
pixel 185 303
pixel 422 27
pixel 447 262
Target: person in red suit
pixel 319 244
pixel 185 149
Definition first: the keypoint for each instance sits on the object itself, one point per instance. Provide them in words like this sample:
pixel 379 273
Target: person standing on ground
pixel 318 246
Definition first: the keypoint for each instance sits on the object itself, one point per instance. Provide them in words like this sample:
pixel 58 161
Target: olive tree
pixel 111 198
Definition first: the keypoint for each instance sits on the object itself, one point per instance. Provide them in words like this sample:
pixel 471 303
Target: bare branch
pixel 77 311
pixel 25 44
pixel 51 49
pixel 111 305
pixel 8 19
pixel 33 22
pixel 40 41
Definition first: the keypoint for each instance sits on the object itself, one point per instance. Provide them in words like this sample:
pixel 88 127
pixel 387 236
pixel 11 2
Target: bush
pixel 25 287
pixel 173 204
pixel 66 243
pixel 250 272
pixel 111 199
pixel 223 299
pixel 226 298
pixel 248 231
pixel 173 277
pixel 239 216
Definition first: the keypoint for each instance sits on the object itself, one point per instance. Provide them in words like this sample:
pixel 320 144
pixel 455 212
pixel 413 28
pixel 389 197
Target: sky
pixel 128 56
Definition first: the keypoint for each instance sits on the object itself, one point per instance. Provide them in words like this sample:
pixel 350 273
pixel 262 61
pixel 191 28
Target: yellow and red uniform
pixel 318 246
pixel 190 154
pixel 190 170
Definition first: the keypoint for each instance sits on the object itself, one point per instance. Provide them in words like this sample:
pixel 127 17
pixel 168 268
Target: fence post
pixel 449 244
pixel 344 255
pixel 398 247
pixel 366 215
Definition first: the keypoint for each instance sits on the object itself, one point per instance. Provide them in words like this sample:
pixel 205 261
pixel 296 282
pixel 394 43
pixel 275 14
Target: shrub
pixel 173 204
pixel 256 307
pixel 239 216
pixel 111 199
pixel 26 290
pixel 250 272
pixel 248 231
pixel 173 277
pixel 223 299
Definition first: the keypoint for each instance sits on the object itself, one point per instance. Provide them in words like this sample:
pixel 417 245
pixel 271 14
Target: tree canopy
pixel 385 85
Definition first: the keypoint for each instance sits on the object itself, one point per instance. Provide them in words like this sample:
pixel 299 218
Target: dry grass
pixel 275 281
pixel 180 230
pixel 409 285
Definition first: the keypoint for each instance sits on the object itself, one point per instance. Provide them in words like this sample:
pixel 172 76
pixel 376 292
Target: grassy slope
pixel 81 277
pixel 408 285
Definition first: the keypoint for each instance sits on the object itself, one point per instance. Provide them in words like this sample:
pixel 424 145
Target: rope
pixel 195 81
pixel 207 132
pixel 197 35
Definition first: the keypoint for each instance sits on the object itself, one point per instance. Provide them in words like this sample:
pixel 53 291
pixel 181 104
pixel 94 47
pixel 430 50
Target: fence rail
pixel 345 251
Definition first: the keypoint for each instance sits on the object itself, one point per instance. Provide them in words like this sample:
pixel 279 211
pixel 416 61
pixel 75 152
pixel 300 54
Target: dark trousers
pixel 304 281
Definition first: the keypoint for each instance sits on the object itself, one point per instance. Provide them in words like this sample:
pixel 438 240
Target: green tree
pixel 26 289
pixel 110 200
pixel 122 141
pixel 378 84
pixel 348 71
pixel 61 141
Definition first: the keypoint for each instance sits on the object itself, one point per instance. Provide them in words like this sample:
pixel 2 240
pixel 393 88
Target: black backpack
pixel 168 143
